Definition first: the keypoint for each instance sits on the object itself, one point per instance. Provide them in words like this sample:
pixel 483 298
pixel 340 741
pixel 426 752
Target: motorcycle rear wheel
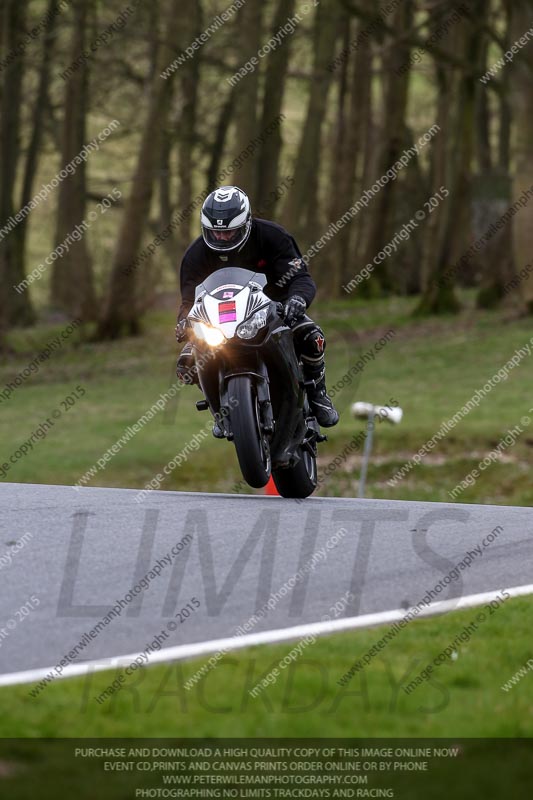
pixel 253 451
pixel 299 481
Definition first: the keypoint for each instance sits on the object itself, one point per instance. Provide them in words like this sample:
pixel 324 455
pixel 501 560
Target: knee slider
pixel 314 343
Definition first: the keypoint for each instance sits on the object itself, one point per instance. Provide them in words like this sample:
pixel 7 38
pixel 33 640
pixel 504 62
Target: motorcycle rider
pixel 232 237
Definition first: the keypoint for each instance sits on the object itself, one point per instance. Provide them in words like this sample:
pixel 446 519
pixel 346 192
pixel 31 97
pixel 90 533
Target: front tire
pixel 299 481
pixel 252 447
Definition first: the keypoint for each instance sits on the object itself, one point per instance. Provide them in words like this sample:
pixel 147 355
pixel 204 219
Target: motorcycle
pixel 252 381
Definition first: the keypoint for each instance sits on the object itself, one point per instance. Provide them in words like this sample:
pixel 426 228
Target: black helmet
pixel 226 219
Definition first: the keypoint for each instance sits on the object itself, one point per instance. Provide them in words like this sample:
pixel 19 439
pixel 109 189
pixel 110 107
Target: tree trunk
pixel 190 86
pixel 246 122
pixel 449 226
pixel 275 81
pixel 224 121
pixel 522 111
pixel 337 148
pixel 121 315
pixel 17 309
pixel 301 208
pixel 393 139
pixel 34 148
pixel 72 278
pixel 347 154
pixel 494 194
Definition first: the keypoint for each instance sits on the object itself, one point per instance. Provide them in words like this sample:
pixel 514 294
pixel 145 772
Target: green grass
pixel 432 367
pixel 462 699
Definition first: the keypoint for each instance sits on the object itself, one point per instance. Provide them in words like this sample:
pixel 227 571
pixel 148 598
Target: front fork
pixel 261 382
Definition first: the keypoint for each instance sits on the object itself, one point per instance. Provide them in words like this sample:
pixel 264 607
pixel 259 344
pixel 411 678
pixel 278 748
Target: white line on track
pixel 188 651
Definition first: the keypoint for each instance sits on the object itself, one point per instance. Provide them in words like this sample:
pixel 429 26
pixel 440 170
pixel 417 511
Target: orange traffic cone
pixel 270 488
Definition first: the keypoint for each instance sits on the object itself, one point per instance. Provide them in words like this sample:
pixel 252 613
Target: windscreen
pixel 230 276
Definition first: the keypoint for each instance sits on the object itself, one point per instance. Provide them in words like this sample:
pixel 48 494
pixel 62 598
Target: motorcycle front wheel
pixel 253 451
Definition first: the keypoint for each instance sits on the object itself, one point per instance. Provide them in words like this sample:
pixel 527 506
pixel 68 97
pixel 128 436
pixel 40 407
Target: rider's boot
pixel 321 406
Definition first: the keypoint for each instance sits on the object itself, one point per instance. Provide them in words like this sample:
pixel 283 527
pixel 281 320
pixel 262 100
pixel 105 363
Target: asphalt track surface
pixel 85 550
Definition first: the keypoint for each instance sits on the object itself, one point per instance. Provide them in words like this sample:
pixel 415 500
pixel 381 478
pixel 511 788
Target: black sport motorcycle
pixel 253 382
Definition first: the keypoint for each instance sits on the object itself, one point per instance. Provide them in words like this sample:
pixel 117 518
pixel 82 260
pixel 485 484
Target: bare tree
pixel 274 90
pixel 448 233
pixel 355 75
pixel 17 309
pixel 190 82
pixel 301 208
pixel 392 135
pixel 72 278
pixel 522 110
pixel 122 311
pixel 493 181
pixel 249 33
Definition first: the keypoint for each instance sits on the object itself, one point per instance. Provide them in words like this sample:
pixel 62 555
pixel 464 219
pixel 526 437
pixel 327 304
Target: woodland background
pixel 357 83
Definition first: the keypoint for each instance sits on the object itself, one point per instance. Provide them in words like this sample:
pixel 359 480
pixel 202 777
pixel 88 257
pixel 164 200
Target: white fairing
pixel 212 307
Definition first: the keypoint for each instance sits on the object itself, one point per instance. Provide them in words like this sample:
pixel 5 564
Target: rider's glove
pixel 294 308
pixel 180 330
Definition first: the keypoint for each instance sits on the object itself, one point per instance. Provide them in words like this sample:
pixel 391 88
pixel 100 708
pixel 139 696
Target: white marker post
pixel 369 412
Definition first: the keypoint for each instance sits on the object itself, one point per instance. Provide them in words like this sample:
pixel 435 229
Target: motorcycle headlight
pixel 211 336
pixel 249 328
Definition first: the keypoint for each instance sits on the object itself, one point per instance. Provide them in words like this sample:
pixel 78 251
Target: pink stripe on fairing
pixel 228 316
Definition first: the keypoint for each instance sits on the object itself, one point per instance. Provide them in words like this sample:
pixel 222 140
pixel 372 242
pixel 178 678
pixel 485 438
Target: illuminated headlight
pixel 248 329
pixel 211 336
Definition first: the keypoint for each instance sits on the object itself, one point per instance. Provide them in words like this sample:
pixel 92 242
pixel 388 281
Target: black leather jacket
pixel 270 249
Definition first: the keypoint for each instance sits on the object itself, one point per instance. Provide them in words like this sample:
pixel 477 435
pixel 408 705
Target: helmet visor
pixel 225 238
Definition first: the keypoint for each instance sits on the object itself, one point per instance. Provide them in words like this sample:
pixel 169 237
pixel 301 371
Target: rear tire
pixel 252 447
pixel 298 481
